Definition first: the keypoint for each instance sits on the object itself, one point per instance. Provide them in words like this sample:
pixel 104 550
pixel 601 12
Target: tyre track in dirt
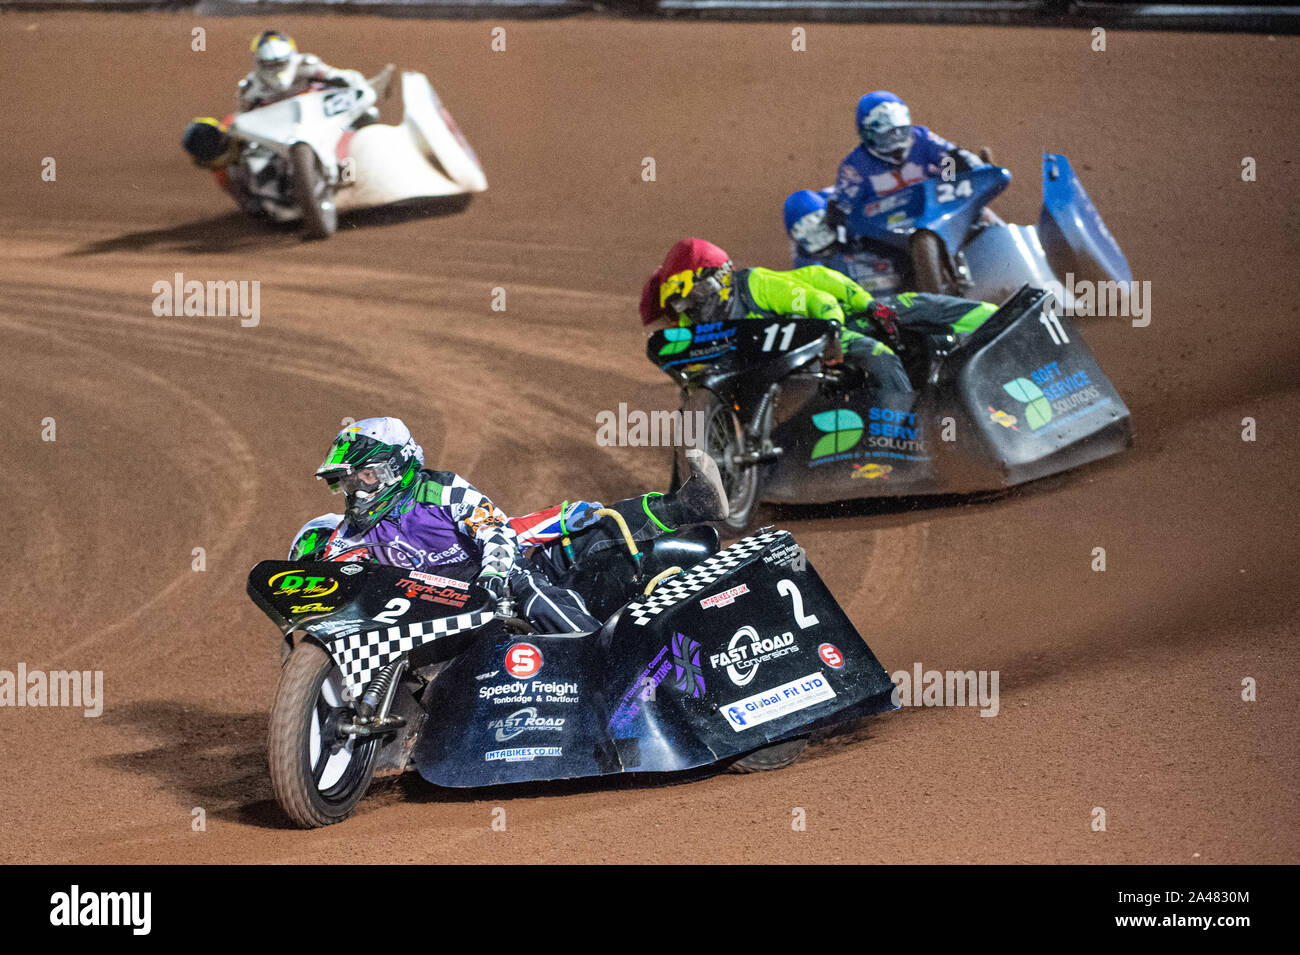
pixel 1119 689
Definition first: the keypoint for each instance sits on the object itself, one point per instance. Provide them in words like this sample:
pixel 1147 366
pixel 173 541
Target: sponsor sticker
pixel 523 721
pixel 523 660
pixel 724 599
pixel 831 656
pixel 746 650
pixel 522 754
pixel 293 583
pixel 535 692
pixel 313 608
pixel 438 581
pixel 779 701
pixel 350 569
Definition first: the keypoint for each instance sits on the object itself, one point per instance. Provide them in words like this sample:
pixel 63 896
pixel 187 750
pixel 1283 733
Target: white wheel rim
pixel 337 763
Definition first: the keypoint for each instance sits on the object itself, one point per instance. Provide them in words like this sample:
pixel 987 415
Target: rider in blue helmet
pixel 805 221
pixel 894 153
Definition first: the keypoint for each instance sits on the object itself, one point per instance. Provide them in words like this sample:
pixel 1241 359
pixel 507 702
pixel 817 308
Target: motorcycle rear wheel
pixel 320 216
pixel 930 265
pixel 318 776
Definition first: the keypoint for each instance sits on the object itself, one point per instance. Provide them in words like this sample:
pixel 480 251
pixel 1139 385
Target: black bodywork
pixel 745 647
pixel 1019 398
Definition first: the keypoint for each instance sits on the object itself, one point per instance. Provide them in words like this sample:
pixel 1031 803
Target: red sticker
pixel 831 655
pixel 523 660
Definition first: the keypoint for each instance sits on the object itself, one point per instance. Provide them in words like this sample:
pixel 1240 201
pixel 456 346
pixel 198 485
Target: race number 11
pixel 769 339
pixel 1053 325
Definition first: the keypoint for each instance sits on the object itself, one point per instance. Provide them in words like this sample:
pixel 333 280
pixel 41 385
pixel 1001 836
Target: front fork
pixel 758 447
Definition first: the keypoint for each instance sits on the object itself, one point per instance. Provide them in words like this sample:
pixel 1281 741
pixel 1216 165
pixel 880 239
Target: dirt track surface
pixel 1119 690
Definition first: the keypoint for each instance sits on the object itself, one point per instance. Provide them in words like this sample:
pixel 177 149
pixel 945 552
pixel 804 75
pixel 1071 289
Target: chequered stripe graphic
pixel 676 589
pixel 361 655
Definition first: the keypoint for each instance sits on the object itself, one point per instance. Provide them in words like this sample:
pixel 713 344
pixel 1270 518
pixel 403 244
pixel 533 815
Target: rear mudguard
pixel 670 683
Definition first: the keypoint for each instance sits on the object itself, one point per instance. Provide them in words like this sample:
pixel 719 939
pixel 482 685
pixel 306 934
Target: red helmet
pixel 688 263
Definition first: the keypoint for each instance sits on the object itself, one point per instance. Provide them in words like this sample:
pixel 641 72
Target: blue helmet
pixel 805 220
pixel 885 126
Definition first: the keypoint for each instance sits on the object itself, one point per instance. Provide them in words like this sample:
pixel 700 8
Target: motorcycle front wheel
pixel 722 439
pixel 318 774
pixel 313 194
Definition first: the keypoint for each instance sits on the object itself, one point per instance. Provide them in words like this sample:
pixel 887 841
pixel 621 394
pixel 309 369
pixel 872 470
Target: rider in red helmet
pixel 698 283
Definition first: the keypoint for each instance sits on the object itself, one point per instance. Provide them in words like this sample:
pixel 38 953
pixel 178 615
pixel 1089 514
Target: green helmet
pixel 374 462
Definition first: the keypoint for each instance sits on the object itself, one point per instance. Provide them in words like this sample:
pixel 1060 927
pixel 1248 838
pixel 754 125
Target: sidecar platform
pixel 745 648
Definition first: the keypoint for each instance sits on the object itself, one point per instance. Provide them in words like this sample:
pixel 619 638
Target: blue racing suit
pixel 864 179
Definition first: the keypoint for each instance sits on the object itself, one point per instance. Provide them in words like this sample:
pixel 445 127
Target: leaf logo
pixel 1038 410
pixel 843 430
pixel 678 340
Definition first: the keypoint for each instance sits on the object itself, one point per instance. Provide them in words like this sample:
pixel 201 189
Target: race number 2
pixel 787 588
pixel 393 609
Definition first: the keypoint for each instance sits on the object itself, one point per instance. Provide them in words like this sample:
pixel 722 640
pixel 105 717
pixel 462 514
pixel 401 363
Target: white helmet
pixel 275 59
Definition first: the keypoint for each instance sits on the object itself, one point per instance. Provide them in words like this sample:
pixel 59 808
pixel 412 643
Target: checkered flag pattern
pixel 361 655
pixel 676 589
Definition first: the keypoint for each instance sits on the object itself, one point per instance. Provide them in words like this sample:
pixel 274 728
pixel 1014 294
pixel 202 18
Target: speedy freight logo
pixel 1050 394
pixel 843 430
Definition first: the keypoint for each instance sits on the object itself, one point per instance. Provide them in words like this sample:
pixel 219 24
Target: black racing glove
pixel 966 160
pixel 884 322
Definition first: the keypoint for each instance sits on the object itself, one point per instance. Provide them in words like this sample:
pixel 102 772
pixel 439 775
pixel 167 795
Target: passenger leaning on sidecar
pixel 279 71
pixel 697 283
pixel 404 516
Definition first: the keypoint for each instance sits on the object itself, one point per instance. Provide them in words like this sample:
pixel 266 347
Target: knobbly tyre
pixel 706 656
pixel 308 157
pixel 932 237
pixel 1018 399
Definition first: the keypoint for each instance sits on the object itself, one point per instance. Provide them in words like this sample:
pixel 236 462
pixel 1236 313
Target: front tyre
pixel 722 439
pixel 318 775
pixel 313 195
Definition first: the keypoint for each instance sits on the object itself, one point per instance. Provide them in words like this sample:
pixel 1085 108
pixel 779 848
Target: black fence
pixel 1185 15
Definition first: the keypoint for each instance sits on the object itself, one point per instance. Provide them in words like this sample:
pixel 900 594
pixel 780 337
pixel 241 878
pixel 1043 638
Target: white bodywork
pixel 424 157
